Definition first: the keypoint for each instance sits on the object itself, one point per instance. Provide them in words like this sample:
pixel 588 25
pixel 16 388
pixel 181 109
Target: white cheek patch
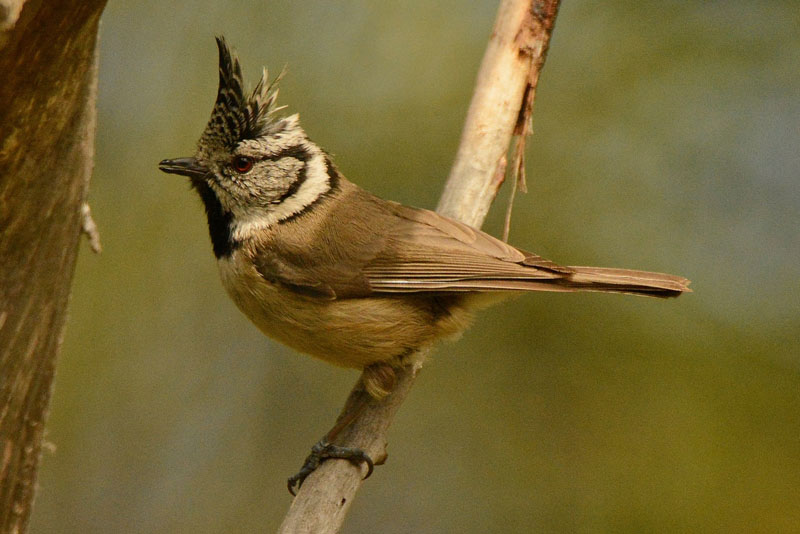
pixel 316 182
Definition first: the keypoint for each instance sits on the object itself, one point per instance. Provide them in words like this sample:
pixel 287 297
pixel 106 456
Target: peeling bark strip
pixel 504 94
pixel 47 121
pixel 533 41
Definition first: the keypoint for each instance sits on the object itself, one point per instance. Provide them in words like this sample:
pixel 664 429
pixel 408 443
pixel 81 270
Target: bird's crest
pixel 238 115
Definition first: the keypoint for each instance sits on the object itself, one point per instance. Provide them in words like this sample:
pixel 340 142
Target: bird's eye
pixel 242 164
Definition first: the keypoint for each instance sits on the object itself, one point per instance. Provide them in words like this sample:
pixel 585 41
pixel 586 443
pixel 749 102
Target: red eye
pixel 242 164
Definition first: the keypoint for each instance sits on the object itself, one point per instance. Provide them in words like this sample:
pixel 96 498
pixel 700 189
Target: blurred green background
pixel 666 138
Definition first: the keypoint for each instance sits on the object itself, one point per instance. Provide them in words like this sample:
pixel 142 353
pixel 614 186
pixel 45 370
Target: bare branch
pixel 511 65
pixel 503 97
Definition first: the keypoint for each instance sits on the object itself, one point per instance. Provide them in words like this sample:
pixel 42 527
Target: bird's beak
pixel 184 166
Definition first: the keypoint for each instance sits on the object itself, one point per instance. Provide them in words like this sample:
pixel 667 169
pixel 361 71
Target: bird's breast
pixel 347 332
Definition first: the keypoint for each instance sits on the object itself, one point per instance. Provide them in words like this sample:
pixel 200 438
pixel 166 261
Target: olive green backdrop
pixel 666 138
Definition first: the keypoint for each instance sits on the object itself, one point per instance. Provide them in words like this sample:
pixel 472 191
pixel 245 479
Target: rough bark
pixel 47 120
pixel 501 106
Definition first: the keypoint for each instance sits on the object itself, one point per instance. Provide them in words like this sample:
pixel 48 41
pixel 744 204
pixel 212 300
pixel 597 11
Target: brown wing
pixel 363 245
pixel 429 252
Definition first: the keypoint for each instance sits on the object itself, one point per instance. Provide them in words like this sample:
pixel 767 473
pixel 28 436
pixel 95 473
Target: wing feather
pixel 391 248
pixel 362 245
pixel 429 252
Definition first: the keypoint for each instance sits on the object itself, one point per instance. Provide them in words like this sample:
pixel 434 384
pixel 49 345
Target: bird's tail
pixel 572 279
pixel 604 280
pixel 624 281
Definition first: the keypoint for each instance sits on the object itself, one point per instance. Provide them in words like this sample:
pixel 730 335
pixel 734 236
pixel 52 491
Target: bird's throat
pixel 220 221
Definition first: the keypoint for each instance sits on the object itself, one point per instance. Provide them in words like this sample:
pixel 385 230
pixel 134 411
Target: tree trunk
pixel 48 81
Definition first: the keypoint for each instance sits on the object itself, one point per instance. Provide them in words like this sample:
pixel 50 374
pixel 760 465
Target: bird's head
pixel 259 168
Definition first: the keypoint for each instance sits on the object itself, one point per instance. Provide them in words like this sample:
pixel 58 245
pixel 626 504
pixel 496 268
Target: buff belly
pixel 347 332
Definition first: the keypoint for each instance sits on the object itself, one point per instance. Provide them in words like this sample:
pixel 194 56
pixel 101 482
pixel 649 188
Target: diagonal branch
pixel 501 106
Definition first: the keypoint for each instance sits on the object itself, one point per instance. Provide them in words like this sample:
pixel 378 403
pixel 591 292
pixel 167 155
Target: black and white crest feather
pixel 237 115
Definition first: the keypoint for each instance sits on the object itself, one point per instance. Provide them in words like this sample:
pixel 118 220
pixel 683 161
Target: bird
pixel 331 270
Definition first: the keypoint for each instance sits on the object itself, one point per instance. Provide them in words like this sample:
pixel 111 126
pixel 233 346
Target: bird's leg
pixel 377 381
pixel 324 449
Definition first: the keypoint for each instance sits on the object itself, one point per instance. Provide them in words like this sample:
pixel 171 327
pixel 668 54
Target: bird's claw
pixel 324 450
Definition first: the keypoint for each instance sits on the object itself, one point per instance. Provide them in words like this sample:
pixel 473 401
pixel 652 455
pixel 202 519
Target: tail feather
pixel 625 281
pixel 598 279
pixel 568 280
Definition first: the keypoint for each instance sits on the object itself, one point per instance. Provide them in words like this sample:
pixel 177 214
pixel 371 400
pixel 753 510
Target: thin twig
pixel 517 182
pixel 517 46
pixel 89 228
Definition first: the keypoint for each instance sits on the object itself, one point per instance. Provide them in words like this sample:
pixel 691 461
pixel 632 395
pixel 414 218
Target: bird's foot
pixel 324 450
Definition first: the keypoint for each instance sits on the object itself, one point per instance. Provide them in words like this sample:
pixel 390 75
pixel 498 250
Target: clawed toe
pixel 323 450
